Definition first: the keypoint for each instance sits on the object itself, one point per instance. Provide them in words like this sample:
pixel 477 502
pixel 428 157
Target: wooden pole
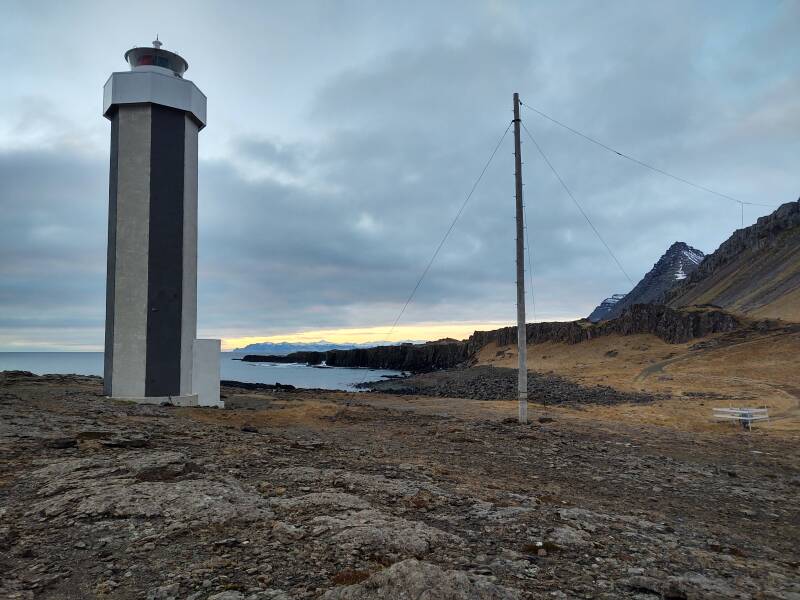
pixel 522 337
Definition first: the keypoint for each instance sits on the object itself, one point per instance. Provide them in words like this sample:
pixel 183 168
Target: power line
pixel 444 239
pixel 530 275
pixel 530 262
pixel 580 208
pixel 641 163
pixel 450 229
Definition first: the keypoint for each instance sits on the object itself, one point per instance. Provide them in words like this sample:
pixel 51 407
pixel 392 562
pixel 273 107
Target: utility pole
pixel 522 336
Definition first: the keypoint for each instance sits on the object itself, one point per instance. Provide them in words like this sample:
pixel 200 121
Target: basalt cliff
pixel 671 325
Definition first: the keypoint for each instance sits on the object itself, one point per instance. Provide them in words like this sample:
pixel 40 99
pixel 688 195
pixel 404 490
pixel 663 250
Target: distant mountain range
pixel 284 348
pixel 678 262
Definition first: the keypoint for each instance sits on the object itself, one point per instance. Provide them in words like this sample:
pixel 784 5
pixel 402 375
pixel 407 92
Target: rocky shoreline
pixel 498 383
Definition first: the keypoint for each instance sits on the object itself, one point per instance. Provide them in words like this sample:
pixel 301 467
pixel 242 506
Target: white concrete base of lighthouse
pixel 205 380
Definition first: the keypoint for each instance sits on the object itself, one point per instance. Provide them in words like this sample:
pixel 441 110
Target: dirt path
pixel 790 410
pixel 696 355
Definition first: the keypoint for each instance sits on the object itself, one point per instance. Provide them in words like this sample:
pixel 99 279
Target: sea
pixel 231 367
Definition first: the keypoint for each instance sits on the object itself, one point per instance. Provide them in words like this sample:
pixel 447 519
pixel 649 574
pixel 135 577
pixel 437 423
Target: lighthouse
pixel 151 351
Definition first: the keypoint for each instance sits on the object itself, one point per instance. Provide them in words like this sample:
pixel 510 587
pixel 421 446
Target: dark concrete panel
pixel 165 260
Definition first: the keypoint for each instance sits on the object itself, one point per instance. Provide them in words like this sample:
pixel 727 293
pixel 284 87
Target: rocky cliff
pixel 404 357
pixel 671 325
pixel 754 272
pixel 408 357
pixel 678 262
pixel 308 357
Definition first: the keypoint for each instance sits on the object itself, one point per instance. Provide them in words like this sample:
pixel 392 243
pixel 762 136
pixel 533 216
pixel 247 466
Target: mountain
pixel 604 309
pixel 678 262
pixel 284 348
pixel 755 272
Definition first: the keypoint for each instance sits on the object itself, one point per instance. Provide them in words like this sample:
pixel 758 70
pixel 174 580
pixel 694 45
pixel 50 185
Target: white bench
pixel 745 416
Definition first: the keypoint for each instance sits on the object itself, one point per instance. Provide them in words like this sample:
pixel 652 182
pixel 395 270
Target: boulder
pixel 152 485
pixel 375 531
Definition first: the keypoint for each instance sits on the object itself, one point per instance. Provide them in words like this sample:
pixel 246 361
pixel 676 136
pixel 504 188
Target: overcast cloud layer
pixel 342 138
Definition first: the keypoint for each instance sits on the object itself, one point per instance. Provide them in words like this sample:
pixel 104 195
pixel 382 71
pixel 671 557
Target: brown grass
pixel 760 370
pixel 303 411
pixel 787 307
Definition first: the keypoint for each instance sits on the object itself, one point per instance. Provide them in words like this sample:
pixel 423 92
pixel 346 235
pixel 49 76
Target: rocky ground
pixel 355 496
pixel 500 383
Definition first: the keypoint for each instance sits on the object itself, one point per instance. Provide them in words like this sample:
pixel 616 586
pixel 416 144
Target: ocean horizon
pixel 231 368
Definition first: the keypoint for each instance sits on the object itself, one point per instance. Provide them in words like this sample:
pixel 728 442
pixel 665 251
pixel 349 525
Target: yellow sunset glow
pixel 432 331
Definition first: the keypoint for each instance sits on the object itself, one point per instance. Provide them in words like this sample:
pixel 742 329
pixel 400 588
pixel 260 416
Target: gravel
pixel 500 383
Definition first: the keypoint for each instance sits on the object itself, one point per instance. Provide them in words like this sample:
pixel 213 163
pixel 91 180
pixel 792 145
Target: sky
pixel 343 137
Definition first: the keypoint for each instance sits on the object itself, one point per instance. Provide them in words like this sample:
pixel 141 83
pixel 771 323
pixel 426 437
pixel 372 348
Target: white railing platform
pixel 745 416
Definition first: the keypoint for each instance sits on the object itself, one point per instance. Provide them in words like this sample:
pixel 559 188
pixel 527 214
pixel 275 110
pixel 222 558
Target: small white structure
pixel 205 373
pixel 745 416
pixel 151 351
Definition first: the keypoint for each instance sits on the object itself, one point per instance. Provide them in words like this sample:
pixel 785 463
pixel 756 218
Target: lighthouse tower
pixel 151 351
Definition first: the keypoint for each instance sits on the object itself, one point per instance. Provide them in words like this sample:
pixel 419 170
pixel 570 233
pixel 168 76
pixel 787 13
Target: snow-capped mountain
pixel 601 312
pixel 679 261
